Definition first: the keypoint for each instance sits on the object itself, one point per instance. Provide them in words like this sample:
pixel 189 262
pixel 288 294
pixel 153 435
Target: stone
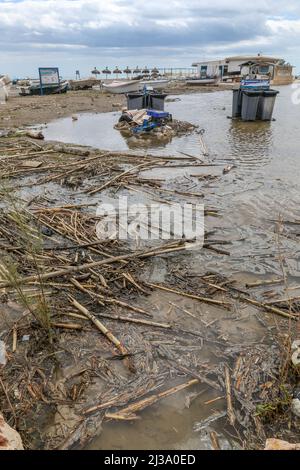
pixel 296 406
pixel 296 353
pixel 277 444
pixel 9 438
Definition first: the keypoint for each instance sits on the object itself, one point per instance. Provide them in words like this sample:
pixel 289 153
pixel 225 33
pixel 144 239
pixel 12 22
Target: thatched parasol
pixel 137 70
pixel 117 71
pixel 106 72
pixel 146 71
pixel 96 72
pixel 127 71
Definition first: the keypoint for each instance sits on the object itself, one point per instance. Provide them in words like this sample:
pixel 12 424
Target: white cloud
pixel 196 28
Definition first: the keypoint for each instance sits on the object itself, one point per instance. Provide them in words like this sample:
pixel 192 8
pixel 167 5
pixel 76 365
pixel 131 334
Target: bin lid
pixel 253 92
pixel 161 96
pixel 271 93
pixel 134 95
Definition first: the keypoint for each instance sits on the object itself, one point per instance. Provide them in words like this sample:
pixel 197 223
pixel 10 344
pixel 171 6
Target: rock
pixel 47 231
pixel 296 353
pixel 31 164
pixel 2 353
pixel 9 438
pixel 35 135
pixel 227 169
pixel 277 444
pixel 295 407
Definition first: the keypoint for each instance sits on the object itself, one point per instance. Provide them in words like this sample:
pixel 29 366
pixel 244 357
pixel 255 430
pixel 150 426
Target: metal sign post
pixel 48 76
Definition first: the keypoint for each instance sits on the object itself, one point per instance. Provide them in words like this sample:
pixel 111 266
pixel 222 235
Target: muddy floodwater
pixel 259 192
pixel 263 186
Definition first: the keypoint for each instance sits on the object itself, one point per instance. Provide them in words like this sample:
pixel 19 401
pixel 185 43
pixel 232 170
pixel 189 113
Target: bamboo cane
pixel 103 330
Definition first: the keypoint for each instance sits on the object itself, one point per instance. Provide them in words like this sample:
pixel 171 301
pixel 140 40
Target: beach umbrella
pixel 96 72
pixel 146 71
pixel 154 74
pixel 106 71
pixel 154 71
pixel 127 71
pixel 117 71
pixel 137 70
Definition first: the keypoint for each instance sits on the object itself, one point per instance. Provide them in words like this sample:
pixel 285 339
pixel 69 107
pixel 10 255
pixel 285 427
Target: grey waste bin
pixel 135 101
pixel 266 105
pixel 150 100
pixel 237 103
pixel 250 104
pixel 157 101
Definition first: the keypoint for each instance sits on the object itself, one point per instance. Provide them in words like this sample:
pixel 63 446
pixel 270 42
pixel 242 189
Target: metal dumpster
pixel 266 105
pixel 237 103
pixel 250 104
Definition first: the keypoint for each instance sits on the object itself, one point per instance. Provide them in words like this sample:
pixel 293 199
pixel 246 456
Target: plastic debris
pixel 26 338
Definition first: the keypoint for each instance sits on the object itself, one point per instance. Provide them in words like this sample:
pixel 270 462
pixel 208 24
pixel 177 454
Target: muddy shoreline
pixel 22 111
pixel 215 345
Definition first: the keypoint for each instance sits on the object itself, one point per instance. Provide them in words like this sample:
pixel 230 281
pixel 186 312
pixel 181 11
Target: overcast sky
pixel 81 34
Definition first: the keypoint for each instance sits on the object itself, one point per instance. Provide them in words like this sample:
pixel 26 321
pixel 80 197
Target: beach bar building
pixel 233 69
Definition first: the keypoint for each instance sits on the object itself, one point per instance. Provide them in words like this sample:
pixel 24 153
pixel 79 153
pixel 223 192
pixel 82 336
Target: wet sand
pixel 29 110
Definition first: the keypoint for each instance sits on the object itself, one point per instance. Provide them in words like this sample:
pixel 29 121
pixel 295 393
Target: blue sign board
pixel 49 76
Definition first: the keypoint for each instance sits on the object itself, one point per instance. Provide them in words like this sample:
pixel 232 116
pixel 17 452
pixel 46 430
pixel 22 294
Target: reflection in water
pixel 250 143
pixel 145 142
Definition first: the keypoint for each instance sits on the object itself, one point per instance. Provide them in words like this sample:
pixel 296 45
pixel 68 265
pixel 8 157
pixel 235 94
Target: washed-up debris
pixel 296 403
pixel 9 438
pixel 84 84
pixel 201 133
pixel 95 300
pixel 228 168
pixel 157 124
pixel 278 444
pixel 31 164
pixel 34 88
pixel 33 134
pixel 296 353
pixel 3 359
pixel 172 100
pixel 5 83
pixel 209 421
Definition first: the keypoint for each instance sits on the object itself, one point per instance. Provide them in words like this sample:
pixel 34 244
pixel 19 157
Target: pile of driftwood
pixel 86 341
